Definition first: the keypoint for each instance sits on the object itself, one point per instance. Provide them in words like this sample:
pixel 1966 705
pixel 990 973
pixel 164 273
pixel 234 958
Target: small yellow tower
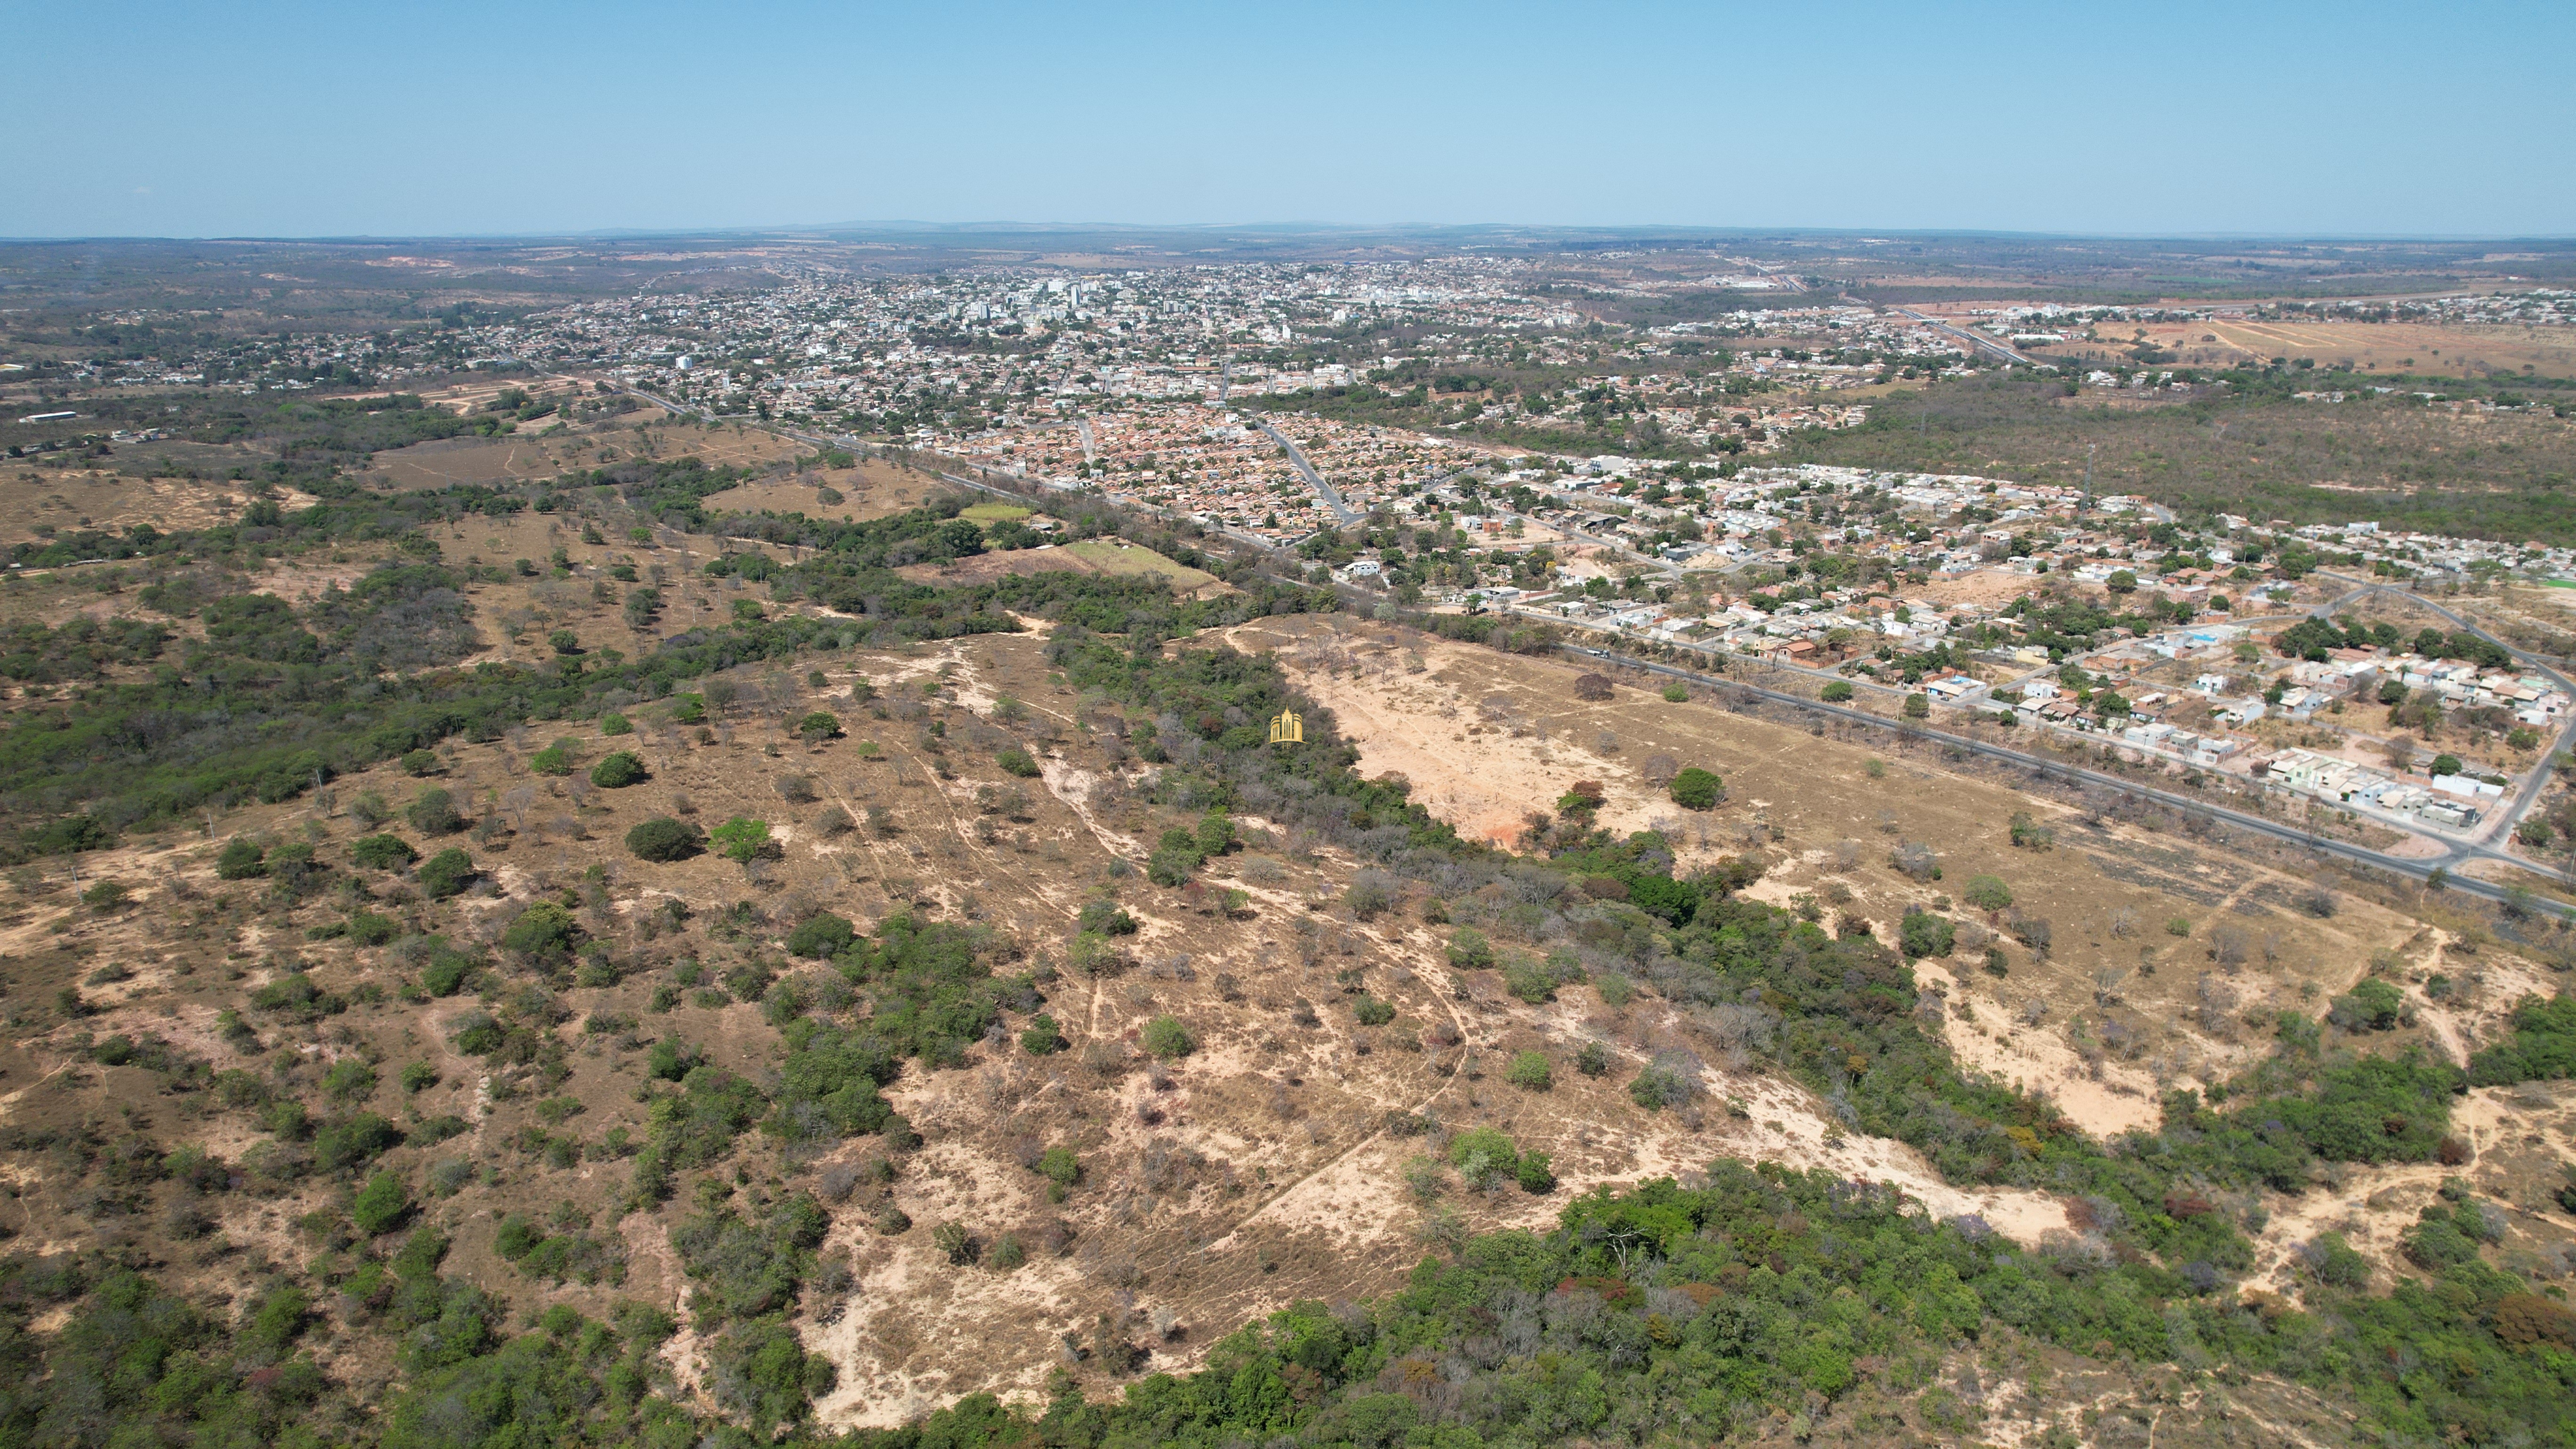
pixel 1287 729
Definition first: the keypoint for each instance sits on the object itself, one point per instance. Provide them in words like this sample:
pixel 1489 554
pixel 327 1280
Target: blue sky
pixel 282 119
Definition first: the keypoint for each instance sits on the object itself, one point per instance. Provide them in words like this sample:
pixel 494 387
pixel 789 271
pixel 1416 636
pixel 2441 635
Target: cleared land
pixel 2413 466
pixel 2400 347
pixel 1090 556
pixel 41 504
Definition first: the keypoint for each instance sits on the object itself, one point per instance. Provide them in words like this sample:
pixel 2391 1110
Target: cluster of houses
pixel 2454 801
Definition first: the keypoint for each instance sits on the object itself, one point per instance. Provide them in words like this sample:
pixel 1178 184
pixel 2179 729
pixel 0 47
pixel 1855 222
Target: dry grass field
pixel 2406 347
pixel 55 500
pixel 1090 556
pixel 873 489
pixel 2421 348
pixel 543 449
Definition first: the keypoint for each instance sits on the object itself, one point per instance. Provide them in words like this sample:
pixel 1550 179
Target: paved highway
pixel 1342 512
pixel 2492 840
pixel 1974 341
pixel 2278 830
pixel 2457 852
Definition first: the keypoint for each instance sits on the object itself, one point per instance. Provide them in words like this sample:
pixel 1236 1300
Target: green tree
pixel 1105 917
pixel 544 931
pixel 446 874
pixel 434 813
pixel 1482 1155
pixel 1058 1165
pixel 643 606
pixel 1922 933
pixel 1697 789
pixel 618 770
pixel 381 1206
pixel 821 934
pixel 664 839
pixel 1174 859
pixel 2372 1005
pixel 382 852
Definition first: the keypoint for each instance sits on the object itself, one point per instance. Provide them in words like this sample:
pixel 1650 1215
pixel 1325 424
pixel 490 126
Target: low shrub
pixel 446 874
pixel 663 839
pixel 1696 789
pixel 241 860
pixel 382 852
pixel 1530 1072
pixel 1165 1037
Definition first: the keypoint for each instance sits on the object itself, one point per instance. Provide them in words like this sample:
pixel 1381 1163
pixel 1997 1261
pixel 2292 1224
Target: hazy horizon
pixel 861 228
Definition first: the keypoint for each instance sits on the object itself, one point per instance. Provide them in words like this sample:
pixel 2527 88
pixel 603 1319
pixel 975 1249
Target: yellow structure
pixel 1287 729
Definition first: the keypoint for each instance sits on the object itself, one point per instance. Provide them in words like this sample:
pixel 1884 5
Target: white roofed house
pixel 2214 750
pixel 2452 813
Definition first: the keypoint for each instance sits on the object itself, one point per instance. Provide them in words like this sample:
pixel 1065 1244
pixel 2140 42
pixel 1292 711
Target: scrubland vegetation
pixel 1740 1301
